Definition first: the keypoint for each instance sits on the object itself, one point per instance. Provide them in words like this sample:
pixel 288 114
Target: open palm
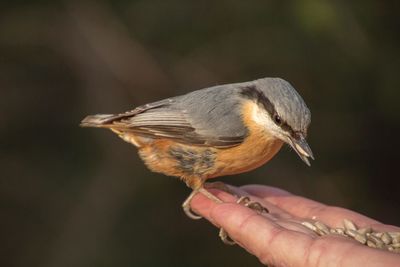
pixel 279 239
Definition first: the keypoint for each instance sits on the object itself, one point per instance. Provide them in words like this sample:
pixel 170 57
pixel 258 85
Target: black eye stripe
pixel 253 93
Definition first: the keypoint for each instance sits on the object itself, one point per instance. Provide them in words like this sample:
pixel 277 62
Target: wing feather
pixel 169 119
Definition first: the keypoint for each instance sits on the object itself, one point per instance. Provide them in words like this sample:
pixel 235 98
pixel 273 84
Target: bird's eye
pixel 277 119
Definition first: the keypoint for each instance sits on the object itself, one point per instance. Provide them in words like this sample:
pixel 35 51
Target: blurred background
pixel 82 197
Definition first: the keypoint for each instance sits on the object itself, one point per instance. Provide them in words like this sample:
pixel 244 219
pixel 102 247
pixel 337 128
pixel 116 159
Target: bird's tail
pixel 98 120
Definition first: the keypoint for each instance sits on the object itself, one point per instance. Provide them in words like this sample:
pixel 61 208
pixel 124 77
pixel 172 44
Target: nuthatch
pixel 216 131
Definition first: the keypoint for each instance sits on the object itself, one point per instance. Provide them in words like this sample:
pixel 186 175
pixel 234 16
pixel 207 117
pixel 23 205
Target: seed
pixel 378 234
pixel 365 230
pixel 310 226
pixel 386 238
pixel 340 231
pixel 243 200
pixel 322 227
pixel 371 244
pixel 377 241
pixel 350 232
pixel 397 245
pixel 360 238
pixel 395 237
pixel 349 225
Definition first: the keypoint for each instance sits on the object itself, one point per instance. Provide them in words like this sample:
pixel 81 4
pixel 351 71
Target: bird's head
pixel 282 112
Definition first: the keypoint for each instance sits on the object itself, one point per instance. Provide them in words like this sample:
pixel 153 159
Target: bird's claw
pixel 186 204
pixel 254 205
pixel 187 209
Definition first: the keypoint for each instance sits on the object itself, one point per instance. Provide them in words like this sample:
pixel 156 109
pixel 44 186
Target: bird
pixel 216 131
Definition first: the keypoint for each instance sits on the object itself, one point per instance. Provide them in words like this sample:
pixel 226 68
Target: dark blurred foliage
pixel 81 197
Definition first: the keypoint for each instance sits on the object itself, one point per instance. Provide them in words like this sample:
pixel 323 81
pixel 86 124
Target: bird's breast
pixel 257 148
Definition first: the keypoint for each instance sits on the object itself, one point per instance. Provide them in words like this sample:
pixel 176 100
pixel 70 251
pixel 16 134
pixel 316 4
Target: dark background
pixel 81 197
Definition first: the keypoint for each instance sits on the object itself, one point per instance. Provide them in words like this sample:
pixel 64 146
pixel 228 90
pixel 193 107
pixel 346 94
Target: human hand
pixel 279 239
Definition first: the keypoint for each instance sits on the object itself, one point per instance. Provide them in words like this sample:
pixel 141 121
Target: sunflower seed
pixel 378 234
pixel 397 245
pixel 386 238
pixel 310 226
pixel 395 236
pixel 367 236
pixel 360 238
pixel 322 227
pixel 340 231
pixel 350 232
pixel 349 225
pixel 365 230
pixel 379 243
pixel 371 244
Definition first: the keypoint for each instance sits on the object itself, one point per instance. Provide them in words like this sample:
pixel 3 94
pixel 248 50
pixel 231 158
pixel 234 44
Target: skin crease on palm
pixel 279 239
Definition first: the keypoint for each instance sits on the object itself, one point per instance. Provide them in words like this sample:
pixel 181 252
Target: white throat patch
pixel 261 117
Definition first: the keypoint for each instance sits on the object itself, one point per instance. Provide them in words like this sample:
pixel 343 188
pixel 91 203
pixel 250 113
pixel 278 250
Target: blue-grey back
pixel 215 111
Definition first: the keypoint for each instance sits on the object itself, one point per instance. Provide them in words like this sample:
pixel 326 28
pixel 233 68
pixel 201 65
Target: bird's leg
pixel 197 184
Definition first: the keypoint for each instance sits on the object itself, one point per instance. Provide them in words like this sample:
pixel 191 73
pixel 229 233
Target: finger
pixel 246 227
pixel 273 210
pixel 306 208
pixel 275 245
pixel 202 205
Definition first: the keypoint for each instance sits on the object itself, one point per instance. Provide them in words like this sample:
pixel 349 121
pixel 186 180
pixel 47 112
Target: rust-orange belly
pixel 175 159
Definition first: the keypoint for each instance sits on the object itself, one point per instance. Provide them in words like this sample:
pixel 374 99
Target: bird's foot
pixel 254 205
pixel 244 200
pixel 186 204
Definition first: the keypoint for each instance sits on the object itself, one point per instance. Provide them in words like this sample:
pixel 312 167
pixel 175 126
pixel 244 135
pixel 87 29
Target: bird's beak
pixel 302 149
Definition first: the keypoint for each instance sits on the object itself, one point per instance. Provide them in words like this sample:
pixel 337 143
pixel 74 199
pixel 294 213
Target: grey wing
pixel 103 120
pixel 208 117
